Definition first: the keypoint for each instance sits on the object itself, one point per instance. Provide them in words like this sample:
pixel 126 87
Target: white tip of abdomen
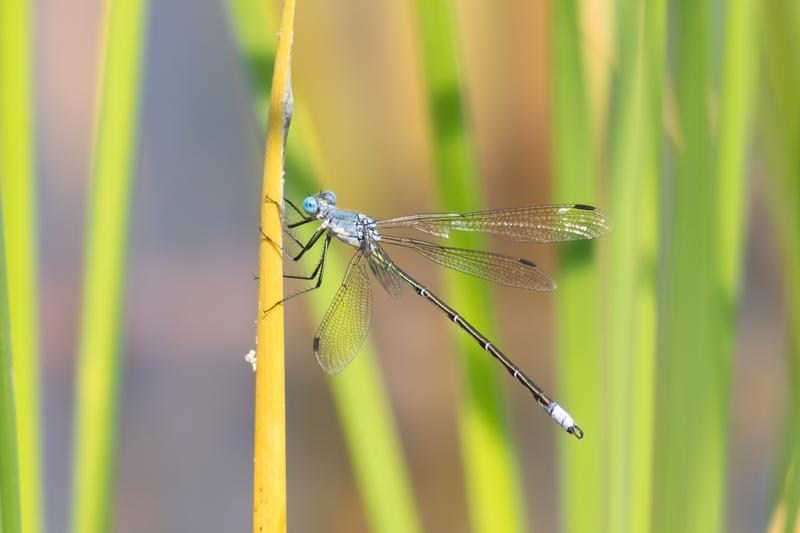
pixel 562 417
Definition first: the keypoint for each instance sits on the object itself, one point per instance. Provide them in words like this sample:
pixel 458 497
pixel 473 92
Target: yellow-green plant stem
pixel 494 495
pixel 691 451
pixel 579 362
pixel 99 356
pixel 730 190
pixel 361 402
pixel 781 125
pixel 269 450
pixel 9 467
pixel 18 186
pixel 739 66
pixel 635 166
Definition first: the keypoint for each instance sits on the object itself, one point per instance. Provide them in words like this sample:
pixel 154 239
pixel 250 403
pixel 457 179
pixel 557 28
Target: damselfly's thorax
pixel 352 227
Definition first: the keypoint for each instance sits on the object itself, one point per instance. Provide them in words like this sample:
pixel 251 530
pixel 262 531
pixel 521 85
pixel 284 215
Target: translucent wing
pixel 385 271
pixel 345 325
pixel 503 269
pixel 547 223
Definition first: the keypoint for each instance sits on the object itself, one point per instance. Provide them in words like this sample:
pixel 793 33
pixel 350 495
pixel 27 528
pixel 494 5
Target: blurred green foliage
pixel 9 469
pixel 18 193
pixel 676 302
pixel 108 220
pixel 487 449
pixel 781 128
pixel 635 162
pixel 579 363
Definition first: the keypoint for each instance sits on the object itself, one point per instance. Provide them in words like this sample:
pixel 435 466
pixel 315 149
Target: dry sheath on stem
pixel 269 474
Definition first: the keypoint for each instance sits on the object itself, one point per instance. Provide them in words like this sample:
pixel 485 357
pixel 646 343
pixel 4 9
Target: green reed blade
pixel 579 363
pixel 18 185
pixel 494 494
pixel 688 493
pixel 99 368
pixel 635 168
pixel 781 125
pixel 701 283
pixel 730 192
pixel 739 65
pixel 10 518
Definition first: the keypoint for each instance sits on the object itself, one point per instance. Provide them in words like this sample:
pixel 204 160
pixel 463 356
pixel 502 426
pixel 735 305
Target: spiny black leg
pixel 275 203
pixel 316 268
pixel 311 242
pixel 287 254
pixel 302 214
pixel 298 224
pixel 280 211
pixel 313 274
pixel 320 267
pixel 291 236
pixel 304 247
pixel 276 245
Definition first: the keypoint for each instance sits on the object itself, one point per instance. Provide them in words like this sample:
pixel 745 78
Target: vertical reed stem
pixel 634 172
pixel 269 465
pixel 781 124
pixel 579 362
pixel 99 365
pixel 488 452
pixel 691 451
pixel 18 185
pixel 9 470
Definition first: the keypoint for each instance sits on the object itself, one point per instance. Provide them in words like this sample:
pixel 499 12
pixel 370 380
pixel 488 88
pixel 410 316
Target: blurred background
pixel 363 83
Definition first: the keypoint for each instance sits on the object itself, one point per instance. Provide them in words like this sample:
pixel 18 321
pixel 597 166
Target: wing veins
pixel 549 223
pixel 498 268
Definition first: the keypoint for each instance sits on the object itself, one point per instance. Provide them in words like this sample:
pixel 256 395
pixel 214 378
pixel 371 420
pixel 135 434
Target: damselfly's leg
pixel 306 246
pixel 303 247
pixel 305 219
pixel 312 241
pixel 318 273
pixel 298 224
pixel 314 272
pixel 292 236
pixel 276 245
pixel 266 237
pixel 304 216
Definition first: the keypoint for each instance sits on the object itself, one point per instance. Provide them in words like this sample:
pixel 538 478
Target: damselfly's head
pixel 320 203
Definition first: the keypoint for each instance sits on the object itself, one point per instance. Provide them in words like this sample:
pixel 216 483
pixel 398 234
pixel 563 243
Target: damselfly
pixel 347 320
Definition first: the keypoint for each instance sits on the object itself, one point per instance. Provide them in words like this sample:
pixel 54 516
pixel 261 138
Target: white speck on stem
pixel 251 358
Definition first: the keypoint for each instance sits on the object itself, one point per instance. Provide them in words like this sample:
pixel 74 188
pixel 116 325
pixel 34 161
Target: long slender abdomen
pixel 555 411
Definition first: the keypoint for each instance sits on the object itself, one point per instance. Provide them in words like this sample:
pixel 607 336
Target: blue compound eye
pixel 310 205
